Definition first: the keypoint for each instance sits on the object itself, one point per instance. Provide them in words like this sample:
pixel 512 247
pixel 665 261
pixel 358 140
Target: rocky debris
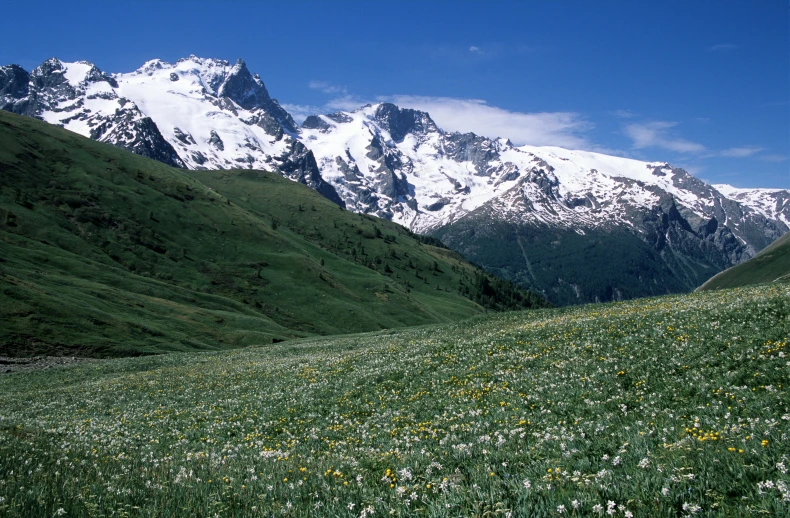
pixel 269 124
pixel 315 122
pixel 14 89
pixel 481 151
pixel 339 117
pixel 131 131
pixel 216 141
pixel 185 138
pixel 12 364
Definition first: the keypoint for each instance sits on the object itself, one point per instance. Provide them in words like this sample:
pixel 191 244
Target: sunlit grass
pixel 675 406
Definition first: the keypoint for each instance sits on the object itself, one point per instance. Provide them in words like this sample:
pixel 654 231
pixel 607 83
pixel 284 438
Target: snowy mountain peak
pixel 196 113
pixel 55 72
pixel 396 163
pixel 400 122
pixel 49 66
pixel 774 204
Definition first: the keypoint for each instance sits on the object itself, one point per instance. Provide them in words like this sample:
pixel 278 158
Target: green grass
pixel 569 267
pixel 106 253
pixel 673 406
pixel 772 264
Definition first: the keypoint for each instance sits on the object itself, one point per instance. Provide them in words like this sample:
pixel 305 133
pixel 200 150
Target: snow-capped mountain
pixel 526 212
pixel 83 99
pixel 195 113
pixel 396 163
pixel 577 226
pixel 505 206
pixel 774 204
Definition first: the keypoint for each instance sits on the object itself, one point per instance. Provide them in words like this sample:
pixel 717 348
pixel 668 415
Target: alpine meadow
pixel 652 407
pixel 342 259
pixel 669 406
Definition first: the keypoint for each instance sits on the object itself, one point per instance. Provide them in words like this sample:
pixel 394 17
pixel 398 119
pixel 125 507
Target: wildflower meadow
pixel 672 406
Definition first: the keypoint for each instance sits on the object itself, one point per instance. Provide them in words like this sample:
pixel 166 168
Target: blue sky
pixel 704 85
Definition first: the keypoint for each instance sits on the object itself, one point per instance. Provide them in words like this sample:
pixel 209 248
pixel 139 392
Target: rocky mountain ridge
pixel 196 113
pixel 474 192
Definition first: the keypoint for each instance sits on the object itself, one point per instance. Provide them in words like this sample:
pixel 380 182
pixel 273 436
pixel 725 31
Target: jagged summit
pixel 220 79
pixel 401 122
pixel 197 113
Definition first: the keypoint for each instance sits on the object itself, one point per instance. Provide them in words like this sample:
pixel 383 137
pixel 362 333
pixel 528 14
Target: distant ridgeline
pixel 105 253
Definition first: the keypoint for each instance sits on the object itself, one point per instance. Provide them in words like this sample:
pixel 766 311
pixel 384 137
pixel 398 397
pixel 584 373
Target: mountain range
pixel 577 226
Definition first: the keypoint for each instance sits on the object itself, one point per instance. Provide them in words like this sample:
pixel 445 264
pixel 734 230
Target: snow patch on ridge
pixel 774 204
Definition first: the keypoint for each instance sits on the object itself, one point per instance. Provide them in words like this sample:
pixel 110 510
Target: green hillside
pixel 666 407
pixel 772 264
pixel 107 253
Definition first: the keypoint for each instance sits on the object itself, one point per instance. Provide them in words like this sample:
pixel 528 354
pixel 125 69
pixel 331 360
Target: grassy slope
pixel 657 405
pixel 108 253
pixel 770 265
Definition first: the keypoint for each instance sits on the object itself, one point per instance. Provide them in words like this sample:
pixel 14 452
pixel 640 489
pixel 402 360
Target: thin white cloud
pixel 475 50
pixel 301 111
pixel 327 87
pixel 624 114
pixel 564 129
pixel 721 47
pixel 344 103
pixel 773 158
pixel 656 134
pixel 741 152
